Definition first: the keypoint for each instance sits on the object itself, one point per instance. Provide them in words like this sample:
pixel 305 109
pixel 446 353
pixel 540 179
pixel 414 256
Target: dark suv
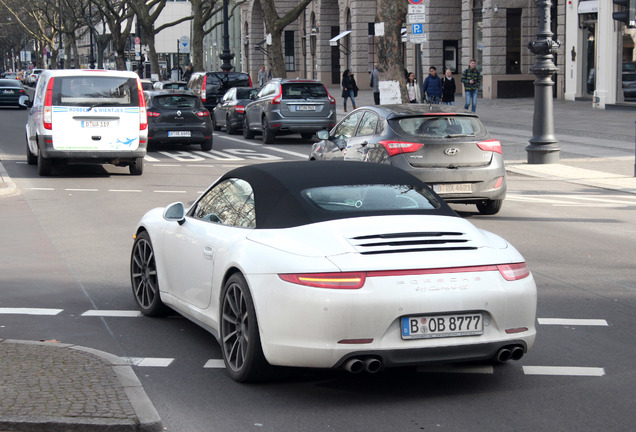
pixel 285 106
pixel 211 86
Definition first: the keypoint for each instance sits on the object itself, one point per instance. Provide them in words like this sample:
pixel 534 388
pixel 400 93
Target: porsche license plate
pixel 441 326
pixel 180 134
pixel 453 188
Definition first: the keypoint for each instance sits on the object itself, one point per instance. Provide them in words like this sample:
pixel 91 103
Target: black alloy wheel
pixel 240 340
pixel 143 277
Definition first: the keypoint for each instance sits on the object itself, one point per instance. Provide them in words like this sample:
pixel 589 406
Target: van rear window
pixel 89 91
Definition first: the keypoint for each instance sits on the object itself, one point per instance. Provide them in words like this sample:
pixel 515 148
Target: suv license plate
pixel 305 107
pixel 440 326
pixel 179 134
pixel 453 188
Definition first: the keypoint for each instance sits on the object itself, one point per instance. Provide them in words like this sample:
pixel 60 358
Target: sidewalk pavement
pixel 54 387
pixel 58 387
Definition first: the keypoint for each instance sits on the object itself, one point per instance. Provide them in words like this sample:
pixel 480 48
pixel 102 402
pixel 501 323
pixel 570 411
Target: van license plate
pixel 180 134
pixel 305 107
pixel 95 124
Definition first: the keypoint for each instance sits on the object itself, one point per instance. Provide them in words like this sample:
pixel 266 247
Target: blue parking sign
pixel 415 1
pixel 418 28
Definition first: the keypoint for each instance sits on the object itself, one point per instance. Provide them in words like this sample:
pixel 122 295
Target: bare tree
pixel 390 59
pixel 274 24
pixel 147 12
pixel 119 18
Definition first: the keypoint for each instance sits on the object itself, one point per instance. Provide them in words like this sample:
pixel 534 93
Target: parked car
pixel 32 77
pixel 336 265
pixel 147 84
pixel 178 117
pixel 11 76
pixel 286 106
pixel 87 116
pixel 446 148
pixel 211 86
pixel 229 111
pixel 167 85
pixel 629 86
pixel 12 93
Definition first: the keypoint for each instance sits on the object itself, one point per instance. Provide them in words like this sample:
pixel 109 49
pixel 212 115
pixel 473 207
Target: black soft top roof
pixel 278 186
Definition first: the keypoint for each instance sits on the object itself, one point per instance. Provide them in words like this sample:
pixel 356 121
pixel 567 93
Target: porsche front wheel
pixel 240 340
pixel 143 277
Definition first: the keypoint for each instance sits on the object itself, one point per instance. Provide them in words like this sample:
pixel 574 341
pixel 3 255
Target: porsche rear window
pixel 438 126
pixel 365 198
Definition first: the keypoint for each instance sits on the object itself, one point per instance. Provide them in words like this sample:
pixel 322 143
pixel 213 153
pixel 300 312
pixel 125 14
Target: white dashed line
pixel 29 311
pixel 572 322
pixel 149 361
pixel 564 371
pixel 113 313
pixel 124 190
pixel 81 190
pixel 214 364
pixel 170 192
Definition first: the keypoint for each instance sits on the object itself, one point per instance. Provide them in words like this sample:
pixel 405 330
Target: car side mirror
pixel 175 212
pixel 322 134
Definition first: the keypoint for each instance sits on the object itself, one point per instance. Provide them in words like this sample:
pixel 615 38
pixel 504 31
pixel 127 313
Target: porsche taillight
pixel 47 111
pixel 513 272
pixel 336 280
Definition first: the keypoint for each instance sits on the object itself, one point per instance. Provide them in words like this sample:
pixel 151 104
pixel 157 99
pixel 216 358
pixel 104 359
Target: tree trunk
pixel 390 59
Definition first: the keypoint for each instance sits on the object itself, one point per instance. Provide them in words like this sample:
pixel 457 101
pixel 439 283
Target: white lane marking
pixel 201 166
pixel 80 190
pixel 150 158
pixel 575 201
pixel 167 165
pixel 29 311
pixel 42 189
pixel 168 192
pixel 124 190
pixel 149 361
pixel 564 371
pixel 572 322
pixel 113 313
pixel 214 363
pixel 289 152
pixel 483 369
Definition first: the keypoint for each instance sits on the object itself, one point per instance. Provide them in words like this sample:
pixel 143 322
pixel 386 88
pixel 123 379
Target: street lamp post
pixel 543 148
pixel 90 30
pixel 226 55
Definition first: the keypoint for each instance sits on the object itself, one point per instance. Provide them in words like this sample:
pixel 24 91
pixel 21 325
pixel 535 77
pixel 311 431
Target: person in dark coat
pixel 188 73
pixel 448 88
pixel 432 86
pixel 349 88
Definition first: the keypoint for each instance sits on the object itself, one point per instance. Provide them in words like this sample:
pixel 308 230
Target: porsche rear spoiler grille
pixel 411 242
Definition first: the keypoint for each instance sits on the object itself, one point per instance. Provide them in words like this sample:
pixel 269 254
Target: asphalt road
pixel 71 247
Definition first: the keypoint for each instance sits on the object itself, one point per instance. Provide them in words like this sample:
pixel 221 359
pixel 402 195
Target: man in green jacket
pixel 472 81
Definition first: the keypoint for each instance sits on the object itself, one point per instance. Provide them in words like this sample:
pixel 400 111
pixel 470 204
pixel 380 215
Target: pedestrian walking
pixel 448 88
pixel 349 88
pixel 471 78
pixel 411 88
pixel 432 87
pixel 375 83
pixel 262 76
pixel 188 73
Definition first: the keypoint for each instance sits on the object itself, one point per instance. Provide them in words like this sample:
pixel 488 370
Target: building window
pixel 478 41
pixel 290 61
pixel 513 41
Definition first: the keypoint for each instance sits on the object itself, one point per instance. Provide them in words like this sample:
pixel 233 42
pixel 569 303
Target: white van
pixel 87 116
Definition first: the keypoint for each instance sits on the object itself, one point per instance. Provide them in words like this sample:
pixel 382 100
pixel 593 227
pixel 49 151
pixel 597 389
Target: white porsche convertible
pixel 333 265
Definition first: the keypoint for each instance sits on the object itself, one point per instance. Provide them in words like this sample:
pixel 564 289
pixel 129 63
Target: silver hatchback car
pixel 285 106
pixel 448 149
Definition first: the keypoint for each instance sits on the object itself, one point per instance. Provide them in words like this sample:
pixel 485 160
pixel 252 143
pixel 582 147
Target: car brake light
pixel 153 114
pixel 332 101
pixel 249 78
pixel 397 147
pixel 492 145
pixel 204 113
pixel 499 182
pixel 327 280
pixel 203 87
pixel 47 114
pixel 143 117
pixel 512 272
pixel 239 109
pixel 278 97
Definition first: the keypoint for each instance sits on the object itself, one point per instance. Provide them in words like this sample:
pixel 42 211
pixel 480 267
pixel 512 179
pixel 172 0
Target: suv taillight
pixel 279 96
pixel 332 101
pixel 47 113
pixel 203 86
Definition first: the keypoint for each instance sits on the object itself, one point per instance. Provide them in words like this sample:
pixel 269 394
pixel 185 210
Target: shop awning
pixel 588 6
pixel 334 41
